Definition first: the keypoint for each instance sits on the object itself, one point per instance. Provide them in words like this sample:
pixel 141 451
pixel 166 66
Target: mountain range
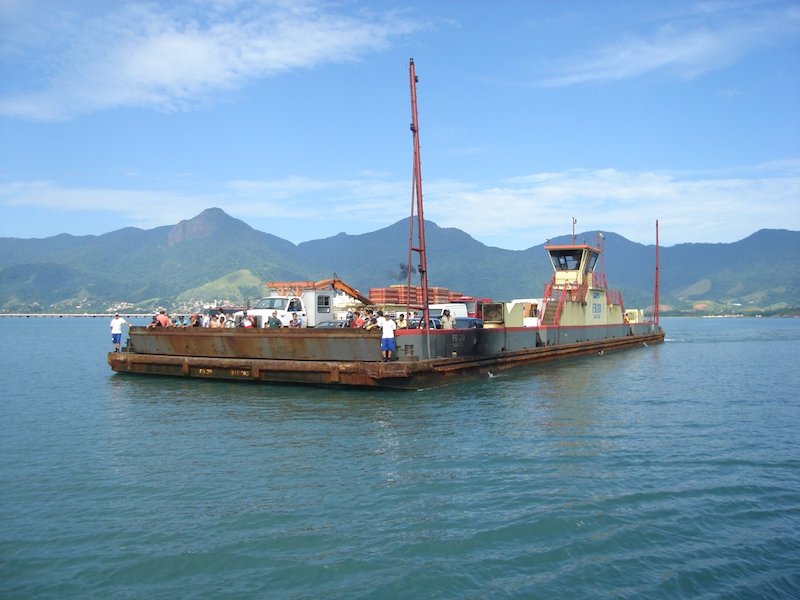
pixel 215 258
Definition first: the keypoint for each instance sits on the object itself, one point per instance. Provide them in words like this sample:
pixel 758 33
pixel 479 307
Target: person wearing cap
pixel 116 330
pixel 388 344
pixel 448 322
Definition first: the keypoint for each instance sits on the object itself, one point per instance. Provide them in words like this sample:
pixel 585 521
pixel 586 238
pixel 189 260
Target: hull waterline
pixel 408 372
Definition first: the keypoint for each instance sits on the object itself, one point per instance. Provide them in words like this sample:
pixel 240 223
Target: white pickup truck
pixel 312 307
pixel 311 300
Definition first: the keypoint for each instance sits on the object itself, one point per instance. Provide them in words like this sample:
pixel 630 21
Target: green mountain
pixel 214 258
pixel 141 267
pixel 455 260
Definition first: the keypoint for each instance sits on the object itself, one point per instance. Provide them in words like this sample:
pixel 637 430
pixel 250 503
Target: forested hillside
pixel 215 258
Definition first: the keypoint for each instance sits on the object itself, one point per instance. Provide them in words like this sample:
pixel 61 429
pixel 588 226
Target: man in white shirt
pixel 388 345
pixel 116 330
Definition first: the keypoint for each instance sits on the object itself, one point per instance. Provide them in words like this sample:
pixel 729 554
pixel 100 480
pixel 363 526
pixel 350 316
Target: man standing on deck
pixel 388 345
pixel 448 322
pixel 116 330
pixel 274 321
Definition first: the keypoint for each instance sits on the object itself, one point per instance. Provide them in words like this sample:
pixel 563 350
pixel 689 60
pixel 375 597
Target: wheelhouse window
pixel 592 261
pixel 566 260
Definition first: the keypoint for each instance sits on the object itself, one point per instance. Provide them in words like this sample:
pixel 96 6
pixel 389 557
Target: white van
pixel 456 310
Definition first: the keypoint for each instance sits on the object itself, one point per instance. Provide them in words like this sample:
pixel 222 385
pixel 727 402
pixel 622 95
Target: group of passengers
pixel 387 325
pixel 273 322
pixel 206 319
pixel 372 319
pixel 219 319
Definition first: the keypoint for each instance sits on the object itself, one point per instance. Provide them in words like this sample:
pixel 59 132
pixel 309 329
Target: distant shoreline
pixel 150 315
pixel 74 315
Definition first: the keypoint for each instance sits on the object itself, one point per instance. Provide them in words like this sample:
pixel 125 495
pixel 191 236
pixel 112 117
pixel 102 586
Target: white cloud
pixel 689 46
pixel 141 55
pixel 138 208
pixel 515 214
pixel 692 207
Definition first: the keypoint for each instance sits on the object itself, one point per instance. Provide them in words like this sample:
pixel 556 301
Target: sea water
pixel 665 471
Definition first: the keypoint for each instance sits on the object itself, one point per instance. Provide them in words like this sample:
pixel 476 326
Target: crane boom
pixel 294 287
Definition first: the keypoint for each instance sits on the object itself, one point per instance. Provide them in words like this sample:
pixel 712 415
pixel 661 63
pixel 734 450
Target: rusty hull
pixel 400 374
pixel 279 343
pixel 306 344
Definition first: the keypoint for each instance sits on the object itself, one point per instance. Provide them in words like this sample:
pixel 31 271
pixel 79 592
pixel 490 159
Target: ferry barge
pixel 583 319
pixel 577 315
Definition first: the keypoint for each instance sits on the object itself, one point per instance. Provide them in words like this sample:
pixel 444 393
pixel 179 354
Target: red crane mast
pixel 416 206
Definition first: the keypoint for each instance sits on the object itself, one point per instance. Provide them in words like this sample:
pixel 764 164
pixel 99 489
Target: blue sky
pixel 294 116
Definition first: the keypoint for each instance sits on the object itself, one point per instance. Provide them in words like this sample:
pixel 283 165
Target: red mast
pixel 416 200
pixel 656 308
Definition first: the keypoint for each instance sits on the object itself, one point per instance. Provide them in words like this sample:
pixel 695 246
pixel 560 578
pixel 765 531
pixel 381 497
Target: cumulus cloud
pixel 515 214
pixel 169 57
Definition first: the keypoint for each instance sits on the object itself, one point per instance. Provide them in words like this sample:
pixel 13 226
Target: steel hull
pixel 352 357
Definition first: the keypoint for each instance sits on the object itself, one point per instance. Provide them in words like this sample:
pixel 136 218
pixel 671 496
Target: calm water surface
pixel 662 472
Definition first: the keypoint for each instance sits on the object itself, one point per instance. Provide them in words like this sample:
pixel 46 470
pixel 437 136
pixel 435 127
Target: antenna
pixel 601 245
